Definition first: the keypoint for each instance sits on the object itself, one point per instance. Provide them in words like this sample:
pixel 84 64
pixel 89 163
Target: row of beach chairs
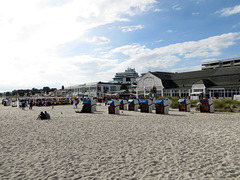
pixel 145 105
pixel 161 106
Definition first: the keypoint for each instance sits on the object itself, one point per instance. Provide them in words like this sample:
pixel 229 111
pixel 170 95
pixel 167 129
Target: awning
pixel 161 102
pixel 87 102
pixel 197 93
pixel 203 100
pixel 131 100
pixel 182 101
pixel 111 102
pixel 143 101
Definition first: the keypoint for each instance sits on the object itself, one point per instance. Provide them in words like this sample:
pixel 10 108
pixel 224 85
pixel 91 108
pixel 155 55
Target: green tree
pixel 46 89
pixel 14 92
pixel 123 87
pixel 8 94
pixel 34 91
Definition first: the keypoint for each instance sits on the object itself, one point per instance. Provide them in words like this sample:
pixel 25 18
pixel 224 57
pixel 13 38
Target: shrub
pixel 226 105
pixel 175 104
pixel 194 103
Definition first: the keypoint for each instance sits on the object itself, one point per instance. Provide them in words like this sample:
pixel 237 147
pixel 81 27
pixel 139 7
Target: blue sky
pixel 68 42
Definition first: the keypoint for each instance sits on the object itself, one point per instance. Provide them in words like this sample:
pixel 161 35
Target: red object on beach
pixel 111 109
pixel 121 106
pixel 131 107
pixel 159 109
pixel 204 107
pixel 183 107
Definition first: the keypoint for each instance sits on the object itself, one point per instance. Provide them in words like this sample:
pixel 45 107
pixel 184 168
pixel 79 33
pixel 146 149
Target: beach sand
pixel 132 145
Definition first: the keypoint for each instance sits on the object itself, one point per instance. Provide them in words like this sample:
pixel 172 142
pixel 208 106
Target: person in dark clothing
pixel 47 115
pixel 30 105
pixel 77 101
pixel 41 116
pixel 23 105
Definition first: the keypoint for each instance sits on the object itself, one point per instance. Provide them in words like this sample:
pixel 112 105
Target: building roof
pixel 220 77
pixel 220 61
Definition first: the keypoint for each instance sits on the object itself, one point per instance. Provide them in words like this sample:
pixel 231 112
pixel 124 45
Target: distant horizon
pixel 92 40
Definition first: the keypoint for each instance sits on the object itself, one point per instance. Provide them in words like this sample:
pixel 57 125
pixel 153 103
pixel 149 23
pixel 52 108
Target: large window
pixel 105 89
pixel 184 93
pixel 167 93
pixel 93 88
pixel 175 93
pixel 198 90
pixel 113 88
pixel 83 89
pixel 158 93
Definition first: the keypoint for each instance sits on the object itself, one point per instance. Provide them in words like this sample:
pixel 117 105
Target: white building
pixel 220 79
pixel 95 89
pixel 127 77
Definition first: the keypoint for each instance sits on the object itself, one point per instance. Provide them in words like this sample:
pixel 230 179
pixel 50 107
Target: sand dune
pixel 131 145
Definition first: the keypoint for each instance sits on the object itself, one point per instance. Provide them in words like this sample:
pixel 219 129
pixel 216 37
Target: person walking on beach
pixel 23 105
pixel 30 105
pixel 76 103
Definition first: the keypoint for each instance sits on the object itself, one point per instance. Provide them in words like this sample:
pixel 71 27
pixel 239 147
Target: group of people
pixel 43 116
pixel 75 103
pixel 23 104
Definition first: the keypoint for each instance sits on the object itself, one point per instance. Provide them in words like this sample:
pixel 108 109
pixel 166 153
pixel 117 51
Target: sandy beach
pixel 132 145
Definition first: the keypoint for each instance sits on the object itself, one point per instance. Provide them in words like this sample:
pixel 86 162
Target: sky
pixel 69 42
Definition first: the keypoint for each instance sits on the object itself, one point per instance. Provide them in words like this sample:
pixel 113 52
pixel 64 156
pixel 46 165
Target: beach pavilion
pixel 217 79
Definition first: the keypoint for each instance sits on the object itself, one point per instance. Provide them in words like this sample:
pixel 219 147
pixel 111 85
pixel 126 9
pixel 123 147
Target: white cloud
pixel 208 60
pixel 131 28
pixel 176 7
pixel 158 10
pixel 158 41
pixel 98 40
pixel 229 11
pixel 236 25
pixel 186 69
pixel 163 58
pixel 198 1
pixel 195 13
pixel 31 32
pixel 170 31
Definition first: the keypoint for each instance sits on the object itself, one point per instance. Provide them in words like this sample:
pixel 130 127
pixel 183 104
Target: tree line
pixel 29 92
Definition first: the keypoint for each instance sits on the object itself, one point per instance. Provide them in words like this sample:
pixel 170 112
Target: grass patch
pixel 226 105
pixel 220 105
pixel 175 104
pixel 194 103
